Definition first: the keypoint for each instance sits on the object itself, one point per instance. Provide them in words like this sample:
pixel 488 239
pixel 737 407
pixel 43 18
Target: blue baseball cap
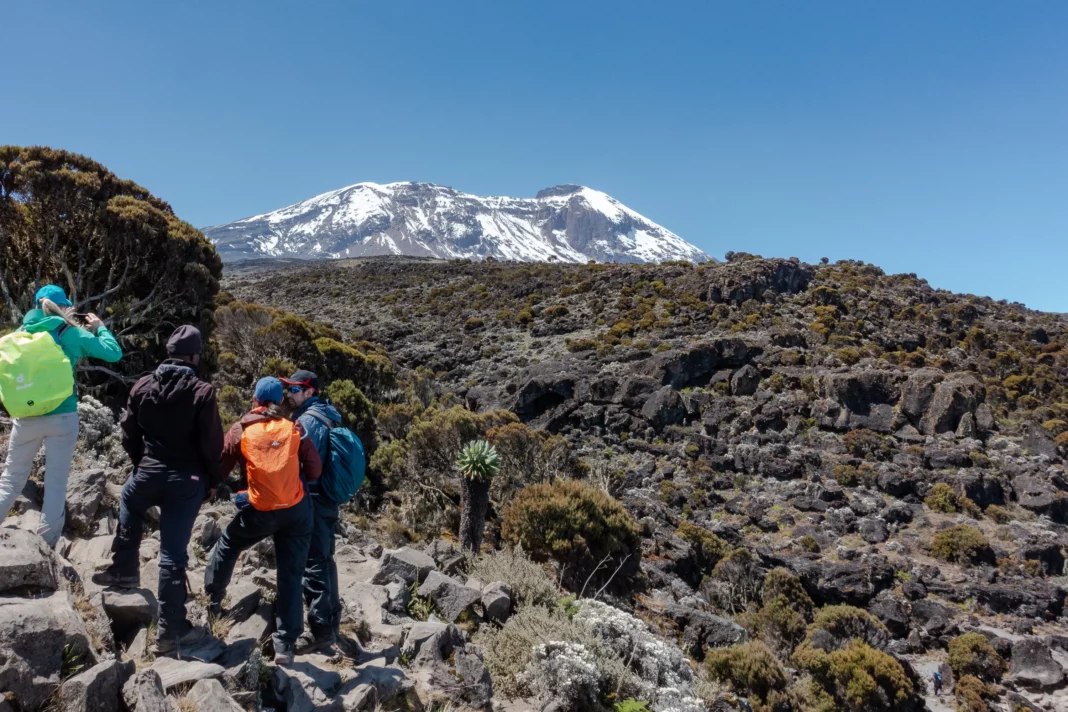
pixel 54 293
pixel 268 390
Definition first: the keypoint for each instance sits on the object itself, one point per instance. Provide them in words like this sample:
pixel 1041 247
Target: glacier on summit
pixel 567 223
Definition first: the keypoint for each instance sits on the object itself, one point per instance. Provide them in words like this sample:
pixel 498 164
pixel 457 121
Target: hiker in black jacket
pixel 173 434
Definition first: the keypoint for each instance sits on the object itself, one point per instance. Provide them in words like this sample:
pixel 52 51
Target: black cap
pixel 303 378
pixel 185 341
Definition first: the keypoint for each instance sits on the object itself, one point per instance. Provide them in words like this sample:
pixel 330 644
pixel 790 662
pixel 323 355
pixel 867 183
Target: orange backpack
pixel 270 449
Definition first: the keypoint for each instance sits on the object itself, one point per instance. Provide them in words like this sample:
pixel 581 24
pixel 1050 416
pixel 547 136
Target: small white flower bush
pixel 96 421
pixel 563 671
pixel 662 671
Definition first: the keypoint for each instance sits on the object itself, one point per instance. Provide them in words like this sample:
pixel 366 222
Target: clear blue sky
pixel 927 137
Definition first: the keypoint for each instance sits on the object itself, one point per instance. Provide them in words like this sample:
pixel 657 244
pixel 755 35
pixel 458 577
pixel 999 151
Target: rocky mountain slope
pixel 568 223
pixel 840 481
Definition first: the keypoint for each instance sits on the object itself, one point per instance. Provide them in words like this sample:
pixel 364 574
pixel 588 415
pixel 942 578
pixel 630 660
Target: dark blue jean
pixel 291 529
pixel 320 577
pixel 178 496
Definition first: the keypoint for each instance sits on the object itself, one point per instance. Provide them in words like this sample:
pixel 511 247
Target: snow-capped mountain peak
pixel 567 223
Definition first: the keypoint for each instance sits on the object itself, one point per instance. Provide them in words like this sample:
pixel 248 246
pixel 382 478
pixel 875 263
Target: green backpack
pixel 35 374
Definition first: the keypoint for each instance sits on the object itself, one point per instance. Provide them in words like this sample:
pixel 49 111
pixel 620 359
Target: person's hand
pixel 93 322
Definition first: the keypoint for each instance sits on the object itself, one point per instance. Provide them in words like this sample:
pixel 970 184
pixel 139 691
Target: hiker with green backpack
pixel 37 365
pixel 344 465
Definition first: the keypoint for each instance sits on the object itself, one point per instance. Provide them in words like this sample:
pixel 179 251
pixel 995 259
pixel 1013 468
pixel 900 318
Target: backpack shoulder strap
pixel 321 418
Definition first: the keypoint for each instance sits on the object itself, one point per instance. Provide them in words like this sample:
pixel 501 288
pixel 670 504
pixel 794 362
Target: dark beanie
pixel 185 341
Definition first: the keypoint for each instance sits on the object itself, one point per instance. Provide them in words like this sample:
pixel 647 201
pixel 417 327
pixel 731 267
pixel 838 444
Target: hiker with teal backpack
pixel 37 366
pixel 344 464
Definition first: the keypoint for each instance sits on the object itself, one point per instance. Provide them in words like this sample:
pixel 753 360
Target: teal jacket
pixel 77 343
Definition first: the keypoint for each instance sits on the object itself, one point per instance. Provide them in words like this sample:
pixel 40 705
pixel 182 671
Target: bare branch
pixel 594 573
pixel 609 581
pixel 109 372
pixel 112 290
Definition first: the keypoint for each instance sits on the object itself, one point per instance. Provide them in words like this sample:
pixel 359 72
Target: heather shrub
pixel 941 498
pixel 708 547
pixel 857 678
pixel 971 694
pixel 961 544
pixel 530 584
pixel 846 475
pixel 734 582
pixel 865 443
pixel 781 621
pixel 583 529
pixel 834 626
pixel 369 367
pixel 972 654
pixel 527 457
pixel 751 669
pixel 357 412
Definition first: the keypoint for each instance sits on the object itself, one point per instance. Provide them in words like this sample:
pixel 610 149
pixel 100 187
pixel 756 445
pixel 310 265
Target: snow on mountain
pixel 567 223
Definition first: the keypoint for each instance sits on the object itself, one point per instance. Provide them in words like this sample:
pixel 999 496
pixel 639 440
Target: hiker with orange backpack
pixel 37 365
pixel 277 460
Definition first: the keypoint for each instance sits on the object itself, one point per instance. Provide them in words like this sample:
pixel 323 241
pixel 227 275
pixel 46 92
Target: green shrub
pixel 858 678
pixel 865 443
pixel 708 547
pixel 473 324
pixel 623 327
pixel 576 345
pixel 941 498
pixel 809 543
pixel 837 625
pixel 578 526
pixel 1056 426
pixel 630 705
pixel 846 475
pixel 751 669
pixel 781 583
pixel 734 582
pixel 971 694
pixel 554 312
pixel 972 654
pixel 998 514
pixel 778 623
pixel 961 544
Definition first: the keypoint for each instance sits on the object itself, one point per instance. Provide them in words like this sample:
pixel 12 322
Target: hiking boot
pixel 311 643
pixel 215 610
pixel 283 654
pixel 191 637
pixel 109 577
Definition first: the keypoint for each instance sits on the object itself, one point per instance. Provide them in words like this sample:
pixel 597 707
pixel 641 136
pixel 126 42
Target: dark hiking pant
pixel 320 577
pixel 178 496
pixel 291 529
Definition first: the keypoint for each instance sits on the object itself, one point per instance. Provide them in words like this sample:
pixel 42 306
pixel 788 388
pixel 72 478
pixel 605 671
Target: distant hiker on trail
pixel 173 434
pixel 37 366
pixel 316 417
pixel 937 680
pixel 277 459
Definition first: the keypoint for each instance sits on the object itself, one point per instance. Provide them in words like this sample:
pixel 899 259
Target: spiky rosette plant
pixel 478 463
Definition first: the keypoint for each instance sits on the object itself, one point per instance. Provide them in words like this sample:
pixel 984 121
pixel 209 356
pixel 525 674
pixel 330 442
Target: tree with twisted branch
pixel 118 250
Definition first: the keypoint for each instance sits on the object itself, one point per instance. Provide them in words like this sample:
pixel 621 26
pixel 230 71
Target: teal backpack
pixel 345 466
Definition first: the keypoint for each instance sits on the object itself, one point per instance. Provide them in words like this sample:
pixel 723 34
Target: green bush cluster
pixel 751 669
pixel 971 694
pixel 857 678
pixel 972 654
pixel 580 527
pixel 942 498
pixel 961 544
pixel 708 547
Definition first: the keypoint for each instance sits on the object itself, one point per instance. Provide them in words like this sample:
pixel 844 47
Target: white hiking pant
pixel 58 433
